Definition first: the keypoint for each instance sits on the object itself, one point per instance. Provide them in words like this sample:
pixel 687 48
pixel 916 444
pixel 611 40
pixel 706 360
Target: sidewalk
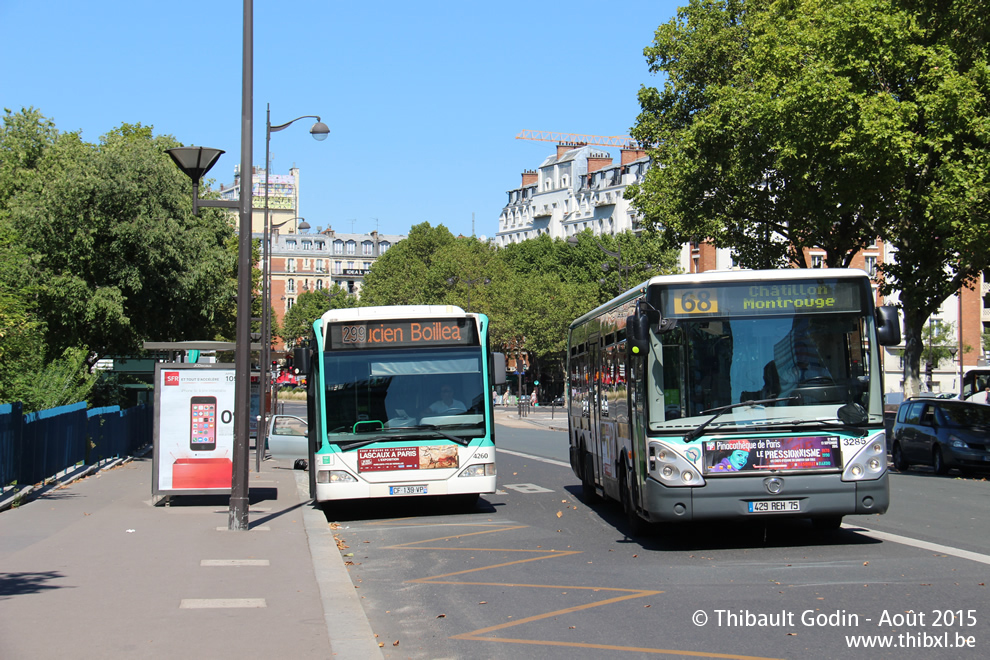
pixel 554 420
pixel 93 570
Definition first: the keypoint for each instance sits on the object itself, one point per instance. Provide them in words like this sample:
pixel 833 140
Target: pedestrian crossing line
pixel 234 562
pixel 221 603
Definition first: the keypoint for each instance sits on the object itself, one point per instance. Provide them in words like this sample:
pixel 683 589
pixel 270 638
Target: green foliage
pixel 788 125
pixel 116 253
pixel 99 251
pixel 309 306
pixel 64 380
pixel 532 289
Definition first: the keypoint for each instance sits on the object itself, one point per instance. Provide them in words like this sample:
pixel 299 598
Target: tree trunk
pixel 914 325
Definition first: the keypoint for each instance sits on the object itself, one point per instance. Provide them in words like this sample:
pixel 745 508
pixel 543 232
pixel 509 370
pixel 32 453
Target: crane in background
pixel 618 141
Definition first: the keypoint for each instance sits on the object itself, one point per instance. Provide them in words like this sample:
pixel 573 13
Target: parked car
pixel 943 433
pixel 287 439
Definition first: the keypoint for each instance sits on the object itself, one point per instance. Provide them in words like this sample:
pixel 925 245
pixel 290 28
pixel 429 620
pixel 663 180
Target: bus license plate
pixel 407 490
pixel 775 506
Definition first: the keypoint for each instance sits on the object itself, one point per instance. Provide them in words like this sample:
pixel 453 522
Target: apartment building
pixel 302 262
pixel 580 187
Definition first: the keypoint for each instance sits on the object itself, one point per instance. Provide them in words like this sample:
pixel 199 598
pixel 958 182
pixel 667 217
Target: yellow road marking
pixel 479 635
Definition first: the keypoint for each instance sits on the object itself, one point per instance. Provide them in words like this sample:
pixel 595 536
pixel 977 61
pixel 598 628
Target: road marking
pixel 234 562
pixel 485 634
pixel 535 458
pixel 527 488
pixel 220 603
pixel 923 545
pixel 260 528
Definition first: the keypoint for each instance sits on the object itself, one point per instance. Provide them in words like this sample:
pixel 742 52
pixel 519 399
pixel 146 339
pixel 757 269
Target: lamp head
pixel 319 131
pixel 194 162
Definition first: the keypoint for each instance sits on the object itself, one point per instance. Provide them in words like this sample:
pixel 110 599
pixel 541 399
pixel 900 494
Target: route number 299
pixel 696 301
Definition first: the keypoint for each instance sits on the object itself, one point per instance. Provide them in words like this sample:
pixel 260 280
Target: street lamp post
pixel 483 280
pixel 319 131
pixel 266 330
pixel 195 162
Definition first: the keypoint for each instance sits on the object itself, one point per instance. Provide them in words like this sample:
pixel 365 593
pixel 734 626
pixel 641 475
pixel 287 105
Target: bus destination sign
pixel 402 334
pixel 800 296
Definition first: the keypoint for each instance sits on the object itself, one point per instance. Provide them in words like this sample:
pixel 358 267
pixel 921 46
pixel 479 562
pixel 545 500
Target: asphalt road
pixel 535 571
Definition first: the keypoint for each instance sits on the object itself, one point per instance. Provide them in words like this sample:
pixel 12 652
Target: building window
pixel 307 245
pixel 382 247
pixel 320 245
pixel 289 302
pixel 350 265
pixel 290 285
pixel 818 261
pixel 290 265
pixel 319 285
pixel 351 247
pixel 367 247
pixel 871 265
pixel 338 247
pixel 290 245
pixel 367 265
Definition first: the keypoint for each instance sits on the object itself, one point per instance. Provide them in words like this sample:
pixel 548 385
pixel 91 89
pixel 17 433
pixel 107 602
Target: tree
pixel 787 125
pixel 298 321
pixel 114 249
pixel 404 275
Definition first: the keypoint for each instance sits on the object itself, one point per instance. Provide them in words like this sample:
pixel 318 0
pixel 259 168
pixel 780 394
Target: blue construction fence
pixel 39 445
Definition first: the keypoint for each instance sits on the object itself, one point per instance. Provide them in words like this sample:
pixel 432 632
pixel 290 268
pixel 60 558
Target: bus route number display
pixel 403 334
pixel 695 301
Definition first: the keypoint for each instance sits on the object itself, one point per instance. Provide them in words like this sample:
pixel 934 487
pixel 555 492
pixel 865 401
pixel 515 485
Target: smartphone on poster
pixel 203 424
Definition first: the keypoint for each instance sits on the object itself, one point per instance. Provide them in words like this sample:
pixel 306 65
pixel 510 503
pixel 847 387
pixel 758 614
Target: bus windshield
pixel 395 392
pixel 806 366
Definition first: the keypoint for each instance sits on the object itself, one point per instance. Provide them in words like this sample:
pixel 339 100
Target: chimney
pixel 529 177
pixel 598 161
pixel 629 155
pixel 564 147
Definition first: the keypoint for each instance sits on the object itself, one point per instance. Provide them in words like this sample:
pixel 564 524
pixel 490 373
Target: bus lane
pixel 535 570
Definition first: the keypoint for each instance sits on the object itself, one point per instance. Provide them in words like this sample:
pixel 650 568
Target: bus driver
pixel 447 403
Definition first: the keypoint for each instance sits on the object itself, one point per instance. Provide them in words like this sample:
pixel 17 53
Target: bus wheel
pixel 827 523
pixel 636 525
pixel 588 492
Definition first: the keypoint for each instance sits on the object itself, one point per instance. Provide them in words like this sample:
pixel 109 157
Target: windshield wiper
pixel 455 438
pixel 696 433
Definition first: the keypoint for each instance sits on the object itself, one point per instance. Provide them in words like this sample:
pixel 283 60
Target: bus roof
pixel 393 312
pixel 733 276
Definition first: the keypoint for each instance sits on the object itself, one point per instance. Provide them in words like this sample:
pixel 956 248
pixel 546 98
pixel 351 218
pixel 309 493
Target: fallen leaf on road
pixel 560 514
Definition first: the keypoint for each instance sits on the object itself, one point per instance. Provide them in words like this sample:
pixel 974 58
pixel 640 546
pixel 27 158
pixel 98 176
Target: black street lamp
pixel 480 280
pixel 195 162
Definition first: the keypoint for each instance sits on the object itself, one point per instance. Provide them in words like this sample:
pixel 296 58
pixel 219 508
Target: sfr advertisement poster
pixel 194 428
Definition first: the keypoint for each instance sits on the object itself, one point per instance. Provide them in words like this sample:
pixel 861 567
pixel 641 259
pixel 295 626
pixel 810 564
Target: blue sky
pixel 423 100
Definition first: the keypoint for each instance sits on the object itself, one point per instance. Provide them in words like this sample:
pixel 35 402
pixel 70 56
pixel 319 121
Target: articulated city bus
pixel 733 394
pixel 399 403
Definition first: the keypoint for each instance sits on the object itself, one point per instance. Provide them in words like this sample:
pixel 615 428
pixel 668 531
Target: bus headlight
pixel 334 477
pixel 671 469
pixel 483 470
pixel 869 462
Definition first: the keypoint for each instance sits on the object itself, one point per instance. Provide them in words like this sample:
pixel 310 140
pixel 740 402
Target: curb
pixel 347 623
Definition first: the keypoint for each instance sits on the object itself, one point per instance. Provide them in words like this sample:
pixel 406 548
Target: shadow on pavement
pixel 19 584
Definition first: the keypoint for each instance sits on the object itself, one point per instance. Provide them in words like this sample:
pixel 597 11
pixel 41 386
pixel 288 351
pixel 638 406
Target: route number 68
pixel 696 301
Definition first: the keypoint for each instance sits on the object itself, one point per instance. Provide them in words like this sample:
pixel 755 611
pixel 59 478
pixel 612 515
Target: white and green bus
pixel 399 403
pixel 733 394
